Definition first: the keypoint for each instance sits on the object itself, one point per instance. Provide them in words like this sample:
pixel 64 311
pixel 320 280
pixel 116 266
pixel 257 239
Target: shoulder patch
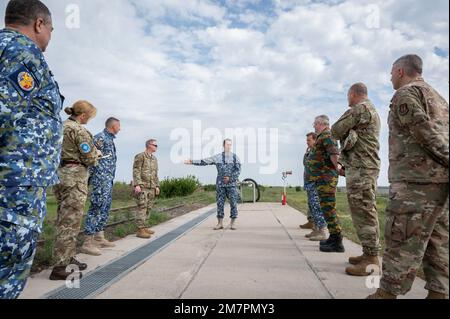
pixel 85 148
pixel 23 80
pixel 403 109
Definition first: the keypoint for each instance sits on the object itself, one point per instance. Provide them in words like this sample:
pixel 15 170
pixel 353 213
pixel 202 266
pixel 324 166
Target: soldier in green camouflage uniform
pixel 78 154
pixel 323 164
pixel 417 224
pixel 358 131
pixel 146 186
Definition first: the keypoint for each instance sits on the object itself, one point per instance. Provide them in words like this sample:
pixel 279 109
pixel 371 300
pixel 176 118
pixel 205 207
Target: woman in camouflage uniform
pixel 78 154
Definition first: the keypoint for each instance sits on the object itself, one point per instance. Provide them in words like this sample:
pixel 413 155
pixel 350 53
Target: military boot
pixel 436 295
pixel 89 247
pixel 219 224
pixel 142 233
pixel 363 269
pixel 355 260
pixel 382 294
pixel 148 230
pixel 233 224
pixel 314 230
pixel 308 225
pixel 318 235
pixel 102 242
pixel 334 244
pixel 60 273
pixel 80 265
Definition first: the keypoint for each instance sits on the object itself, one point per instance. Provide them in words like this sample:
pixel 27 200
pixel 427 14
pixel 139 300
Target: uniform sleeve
pixel 411 114
pixel 25 77
pixel 207 161
pixel 137 166
pixel 330 146
pixel 343 126
pixel 87 149
pixel 236 170
pixel 99 143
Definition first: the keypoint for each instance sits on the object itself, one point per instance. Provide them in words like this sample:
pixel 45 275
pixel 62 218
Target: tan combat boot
pixel 142 233
pixel 436 295
pixel 362 269
pixel 308 225
pixel 219 224
pixel 314 231
pixel 318 235
pixel 148 230
pixel 382 294
pixel 89 247
pixel 233 224
pixel 102 242
pixel 355 260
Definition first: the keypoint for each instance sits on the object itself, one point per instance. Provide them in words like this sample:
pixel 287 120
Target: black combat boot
pixel 60 273
pixel 80 265
pixel 334 244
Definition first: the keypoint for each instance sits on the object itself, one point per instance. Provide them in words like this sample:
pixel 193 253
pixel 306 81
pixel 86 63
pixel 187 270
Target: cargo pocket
pixel 396 230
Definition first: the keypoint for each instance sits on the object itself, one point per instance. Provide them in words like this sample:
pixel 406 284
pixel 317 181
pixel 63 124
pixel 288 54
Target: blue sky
pixel 159 65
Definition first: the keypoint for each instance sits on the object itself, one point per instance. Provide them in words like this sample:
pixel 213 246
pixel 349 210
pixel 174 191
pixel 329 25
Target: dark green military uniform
pixel 325 177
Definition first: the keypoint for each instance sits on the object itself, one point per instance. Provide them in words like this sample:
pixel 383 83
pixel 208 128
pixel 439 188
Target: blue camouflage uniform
pixel 30 147
pixel 228 165
pixel 313 197
pixel 102 181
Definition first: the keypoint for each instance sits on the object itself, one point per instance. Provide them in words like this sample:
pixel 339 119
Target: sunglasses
pixel 155 145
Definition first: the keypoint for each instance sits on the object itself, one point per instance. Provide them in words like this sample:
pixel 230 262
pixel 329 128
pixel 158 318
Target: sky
pixel 192 72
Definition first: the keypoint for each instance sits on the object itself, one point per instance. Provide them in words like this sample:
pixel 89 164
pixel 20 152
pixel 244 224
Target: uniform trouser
pixel 233 196
pixel 18 243
pixel 145 201
pixel 71 199
pixel 314 206
pixel 326 189
pixel 416 233
pixel 361 195
pixel 98 214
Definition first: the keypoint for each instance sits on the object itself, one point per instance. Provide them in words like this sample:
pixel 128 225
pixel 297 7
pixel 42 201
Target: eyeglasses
pixel 155 145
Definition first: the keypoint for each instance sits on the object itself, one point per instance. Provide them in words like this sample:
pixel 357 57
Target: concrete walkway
pixel 267 257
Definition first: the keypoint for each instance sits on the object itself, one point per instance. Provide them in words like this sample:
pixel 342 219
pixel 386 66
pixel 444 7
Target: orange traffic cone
pixel 283 199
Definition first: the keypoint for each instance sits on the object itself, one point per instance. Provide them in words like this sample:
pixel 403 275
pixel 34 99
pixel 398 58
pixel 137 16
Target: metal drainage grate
pixel 102 278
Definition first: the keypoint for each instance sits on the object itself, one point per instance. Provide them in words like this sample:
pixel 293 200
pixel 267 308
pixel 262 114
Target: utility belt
pixel 74 163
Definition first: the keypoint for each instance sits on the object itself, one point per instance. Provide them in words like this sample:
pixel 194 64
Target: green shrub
pixel 298 189
pixel 178 187
pixel 122 191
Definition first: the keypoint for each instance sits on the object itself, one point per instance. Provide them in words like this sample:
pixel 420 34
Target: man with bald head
pixel 358 131
pixel 417 213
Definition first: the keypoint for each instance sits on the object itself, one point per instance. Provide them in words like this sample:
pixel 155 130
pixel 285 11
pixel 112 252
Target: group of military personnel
pixel 39 151
pixel 417 226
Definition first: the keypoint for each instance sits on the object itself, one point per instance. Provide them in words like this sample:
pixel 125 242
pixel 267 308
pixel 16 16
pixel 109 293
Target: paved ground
pixel 267 257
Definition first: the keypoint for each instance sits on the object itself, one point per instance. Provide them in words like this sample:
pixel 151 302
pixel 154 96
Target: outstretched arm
pixel 204 162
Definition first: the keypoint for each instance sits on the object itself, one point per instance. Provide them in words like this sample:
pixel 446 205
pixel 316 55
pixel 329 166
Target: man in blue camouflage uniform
pixel 228 169
pixel 102 181
pixel 30 138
